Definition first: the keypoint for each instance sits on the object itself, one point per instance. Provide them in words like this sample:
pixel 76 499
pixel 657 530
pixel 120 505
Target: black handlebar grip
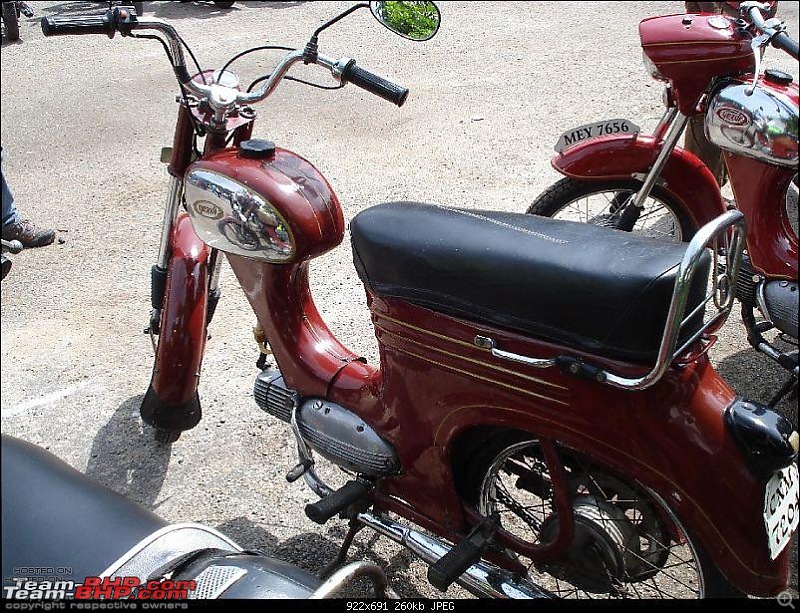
pixel 374 84
pixel 89 24
pixel 785 42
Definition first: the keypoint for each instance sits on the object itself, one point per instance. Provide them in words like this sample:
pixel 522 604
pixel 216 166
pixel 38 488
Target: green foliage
pixel 416 20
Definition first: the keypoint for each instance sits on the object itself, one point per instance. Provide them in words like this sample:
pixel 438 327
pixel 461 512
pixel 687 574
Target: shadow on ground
pixel 758 378
pixel 128 460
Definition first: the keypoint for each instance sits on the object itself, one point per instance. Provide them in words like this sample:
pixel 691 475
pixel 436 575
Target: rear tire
pixel 507 463
pixel 664 217
pixel 11 19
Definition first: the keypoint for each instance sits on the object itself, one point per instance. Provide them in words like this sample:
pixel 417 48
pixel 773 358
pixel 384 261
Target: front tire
pixel 622 548
pixel 597 202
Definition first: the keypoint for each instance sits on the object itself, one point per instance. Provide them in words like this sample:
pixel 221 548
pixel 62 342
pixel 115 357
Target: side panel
pixel 436 385
pixel 619 157
pixel 183 321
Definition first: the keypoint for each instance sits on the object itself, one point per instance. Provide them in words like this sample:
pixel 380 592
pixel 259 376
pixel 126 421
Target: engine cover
pixel 334 432
pixel 781 302
pixel 342 437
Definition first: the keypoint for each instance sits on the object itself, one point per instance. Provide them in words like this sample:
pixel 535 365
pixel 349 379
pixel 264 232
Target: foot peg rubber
pixel 299 470
pixel 455 562
pixel 353 491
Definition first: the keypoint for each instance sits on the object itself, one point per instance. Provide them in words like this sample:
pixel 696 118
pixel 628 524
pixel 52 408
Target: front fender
pixel 684 176
pixel 183 321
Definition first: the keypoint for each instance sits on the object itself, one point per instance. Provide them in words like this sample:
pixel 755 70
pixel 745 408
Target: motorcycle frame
pixel 437 393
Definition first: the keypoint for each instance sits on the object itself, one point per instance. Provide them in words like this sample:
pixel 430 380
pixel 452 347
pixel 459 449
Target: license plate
pixel 781 512
pixel 610 127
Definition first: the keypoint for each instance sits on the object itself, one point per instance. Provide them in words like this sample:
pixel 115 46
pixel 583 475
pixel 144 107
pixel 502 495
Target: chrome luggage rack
pixel 725 237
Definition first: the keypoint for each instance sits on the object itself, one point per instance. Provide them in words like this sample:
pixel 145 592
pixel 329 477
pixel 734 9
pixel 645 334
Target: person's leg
pixel 18 229
pixel 10 214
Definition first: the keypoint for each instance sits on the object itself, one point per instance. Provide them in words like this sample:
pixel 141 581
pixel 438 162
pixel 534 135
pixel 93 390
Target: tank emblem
pixel 733 116
pixel 209 210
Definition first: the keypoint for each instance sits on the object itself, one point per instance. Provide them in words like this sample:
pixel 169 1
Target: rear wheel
pixel 627 543
pixel 602 202
pixel 11 20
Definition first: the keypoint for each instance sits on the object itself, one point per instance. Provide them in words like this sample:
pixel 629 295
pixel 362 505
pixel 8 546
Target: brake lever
pixel 772 28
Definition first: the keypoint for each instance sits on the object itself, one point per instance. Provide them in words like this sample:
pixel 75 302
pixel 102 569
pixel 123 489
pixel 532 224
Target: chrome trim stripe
pixel 472 361
pixel 457 342
pixel 713 59
pixel 474 376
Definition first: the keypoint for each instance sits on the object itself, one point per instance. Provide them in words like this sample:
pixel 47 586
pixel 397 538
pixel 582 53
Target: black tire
pixel 672 222
pixel 11 20
pixel 224 5
pixel 167 437
pixel 481 466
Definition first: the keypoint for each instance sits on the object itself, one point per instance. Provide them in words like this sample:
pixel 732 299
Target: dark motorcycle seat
pixel 596 290
pixel 54 516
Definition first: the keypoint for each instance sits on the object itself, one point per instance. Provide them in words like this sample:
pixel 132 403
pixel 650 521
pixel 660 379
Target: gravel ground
pixel 83 122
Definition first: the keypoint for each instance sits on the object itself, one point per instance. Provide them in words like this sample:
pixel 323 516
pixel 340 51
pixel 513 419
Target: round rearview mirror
pixel 413 20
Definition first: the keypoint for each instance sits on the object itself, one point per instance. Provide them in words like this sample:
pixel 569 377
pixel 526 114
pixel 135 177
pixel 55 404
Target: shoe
pixel 29 235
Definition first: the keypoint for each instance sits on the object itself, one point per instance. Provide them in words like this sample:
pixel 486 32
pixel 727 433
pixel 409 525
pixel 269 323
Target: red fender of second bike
pixel 618 157
pixel 183 321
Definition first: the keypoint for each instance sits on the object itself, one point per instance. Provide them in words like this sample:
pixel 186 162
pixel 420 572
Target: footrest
pixel 352 492
pixel 455 562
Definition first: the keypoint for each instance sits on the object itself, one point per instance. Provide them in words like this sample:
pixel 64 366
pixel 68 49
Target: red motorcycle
pixel 619 178
pixel 529 450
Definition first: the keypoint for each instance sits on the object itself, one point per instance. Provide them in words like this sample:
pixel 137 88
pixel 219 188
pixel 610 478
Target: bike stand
pixel 355 527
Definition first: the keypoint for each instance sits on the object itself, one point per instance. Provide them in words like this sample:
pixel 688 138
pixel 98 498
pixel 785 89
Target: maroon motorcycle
pixel 545 421
pixel 619 178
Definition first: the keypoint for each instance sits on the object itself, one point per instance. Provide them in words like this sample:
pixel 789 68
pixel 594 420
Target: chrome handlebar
pixel 222 98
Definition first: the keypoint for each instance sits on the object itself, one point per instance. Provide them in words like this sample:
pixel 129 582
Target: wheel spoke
pixel 619 549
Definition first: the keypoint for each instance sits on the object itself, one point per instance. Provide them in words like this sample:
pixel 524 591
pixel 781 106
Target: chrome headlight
pixel 234 219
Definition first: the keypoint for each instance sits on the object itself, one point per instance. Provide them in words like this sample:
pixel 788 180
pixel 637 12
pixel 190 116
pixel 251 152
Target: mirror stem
pixel 352 9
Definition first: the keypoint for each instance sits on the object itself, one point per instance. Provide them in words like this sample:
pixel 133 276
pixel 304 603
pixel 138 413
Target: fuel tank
pixel 690 51
pixel 263 203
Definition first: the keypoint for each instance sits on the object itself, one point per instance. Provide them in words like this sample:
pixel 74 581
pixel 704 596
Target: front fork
pixel 159 271
pixel 668 131
pixel 184 296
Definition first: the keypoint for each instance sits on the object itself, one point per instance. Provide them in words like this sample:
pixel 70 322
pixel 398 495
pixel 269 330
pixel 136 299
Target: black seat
pixel 56 517
pixel 597 290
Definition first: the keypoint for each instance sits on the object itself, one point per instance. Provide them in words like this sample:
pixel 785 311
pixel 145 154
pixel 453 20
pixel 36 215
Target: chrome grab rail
pixel 726 236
